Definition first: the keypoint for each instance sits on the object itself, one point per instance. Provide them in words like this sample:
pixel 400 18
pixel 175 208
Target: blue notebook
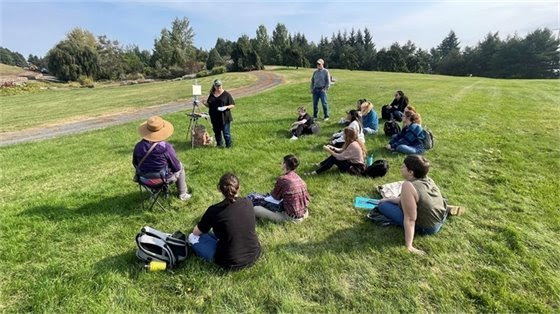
pixel 365 203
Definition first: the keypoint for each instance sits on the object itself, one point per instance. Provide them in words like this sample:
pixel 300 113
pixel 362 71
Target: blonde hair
pixel 366 107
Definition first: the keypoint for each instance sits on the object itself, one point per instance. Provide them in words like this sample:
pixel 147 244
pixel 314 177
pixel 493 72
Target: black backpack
pixel 386 112
pixel 379 168
pixel 428 139
pixel 391 128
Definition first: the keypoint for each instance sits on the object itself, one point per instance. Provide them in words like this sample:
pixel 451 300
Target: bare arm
pixel 409 197
pixel 196 231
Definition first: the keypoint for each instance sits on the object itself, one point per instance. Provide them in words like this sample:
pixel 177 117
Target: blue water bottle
pixel 369 160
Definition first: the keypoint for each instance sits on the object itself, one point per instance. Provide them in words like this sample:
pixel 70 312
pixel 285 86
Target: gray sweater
pixel 320 79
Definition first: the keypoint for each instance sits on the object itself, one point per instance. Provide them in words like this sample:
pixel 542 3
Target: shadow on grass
pixel 286 121
pixel 125 263
pixel 121 205
pixel 128 264
pixel 358 238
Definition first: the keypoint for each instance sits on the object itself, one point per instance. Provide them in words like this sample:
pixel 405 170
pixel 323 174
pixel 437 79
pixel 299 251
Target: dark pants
pixel 397 115
pixel 302 129
pixel 343 165
pixel 225 129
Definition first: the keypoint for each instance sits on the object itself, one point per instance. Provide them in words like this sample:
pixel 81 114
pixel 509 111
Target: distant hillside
pixel 10 70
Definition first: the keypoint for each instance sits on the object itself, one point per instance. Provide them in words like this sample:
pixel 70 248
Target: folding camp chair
pixel 153 187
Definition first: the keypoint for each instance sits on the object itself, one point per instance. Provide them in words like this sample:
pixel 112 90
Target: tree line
pixel 82 54
pixel 533 56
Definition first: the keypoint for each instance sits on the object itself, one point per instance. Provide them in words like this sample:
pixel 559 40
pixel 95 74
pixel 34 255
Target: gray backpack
pixel 428 140
pixel 155 245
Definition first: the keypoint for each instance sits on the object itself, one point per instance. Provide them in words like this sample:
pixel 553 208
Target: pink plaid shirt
pixel 293 191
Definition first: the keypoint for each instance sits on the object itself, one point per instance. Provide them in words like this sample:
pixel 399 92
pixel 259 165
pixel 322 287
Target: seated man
pixel 153 155
pixel 290 190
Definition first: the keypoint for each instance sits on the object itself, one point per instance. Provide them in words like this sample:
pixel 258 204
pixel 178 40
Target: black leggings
pixel 302 129
pixel 343 165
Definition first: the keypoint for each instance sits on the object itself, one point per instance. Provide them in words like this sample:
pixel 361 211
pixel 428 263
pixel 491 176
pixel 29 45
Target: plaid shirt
pixel 411 135
pixel 293 191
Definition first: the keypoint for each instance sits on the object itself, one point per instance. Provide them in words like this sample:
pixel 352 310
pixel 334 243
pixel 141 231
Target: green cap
pixel 217 83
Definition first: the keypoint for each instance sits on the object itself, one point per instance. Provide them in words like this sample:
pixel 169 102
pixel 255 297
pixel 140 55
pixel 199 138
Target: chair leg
pixel 153 196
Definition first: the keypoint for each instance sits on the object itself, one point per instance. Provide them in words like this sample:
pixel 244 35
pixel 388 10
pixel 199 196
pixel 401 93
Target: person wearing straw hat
pixel 154 155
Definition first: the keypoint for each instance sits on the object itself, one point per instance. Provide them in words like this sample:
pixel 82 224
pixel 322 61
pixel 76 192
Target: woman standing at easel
pixel 219 103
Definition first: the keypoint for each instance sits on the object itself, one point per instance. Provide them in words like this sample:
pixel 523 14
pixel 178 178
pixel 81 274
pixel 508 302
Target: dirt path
pixel 265 80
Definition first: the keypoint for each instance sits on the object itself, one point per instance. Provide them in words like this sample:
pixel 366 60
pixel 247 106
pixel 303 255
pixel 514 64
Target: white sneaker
pixel 293 138
pixel 326 119
pixel 185 197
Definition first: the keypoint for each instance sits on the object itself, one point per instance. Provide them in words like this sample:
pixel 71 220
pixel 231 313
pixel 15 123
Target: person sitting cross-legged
pixel 349 158
pixel 420 208
pixel 291 190
pixel 233 245
pixel 153 155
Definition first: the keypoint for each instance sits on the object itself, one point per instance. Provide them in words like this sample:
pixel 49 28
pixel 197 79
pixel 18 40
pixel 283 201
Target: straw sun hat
pixel 155 129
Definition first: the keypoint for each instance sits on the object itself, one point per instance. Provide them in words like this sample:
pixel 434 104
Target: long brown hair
pixel 229 186
pixel 413 117
pixel 350 135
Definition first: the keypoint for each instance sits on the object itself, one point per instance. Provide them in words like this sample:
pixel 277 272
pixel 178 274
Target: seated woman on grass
pixel 410 140
pixel 234 244
pixel 289 199
pixel 420 208
pixel 370 121
pixel 355 123
pixel 396 108
pixel 344 121
pixel 303 125
pixel 349 158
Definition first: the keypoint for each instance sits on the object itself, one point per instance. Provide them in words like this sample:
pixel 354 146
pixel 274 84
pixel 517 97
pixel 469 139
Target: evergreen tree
pixel 214 59
pixel 280 41
pixel 244 57
pixel 261 44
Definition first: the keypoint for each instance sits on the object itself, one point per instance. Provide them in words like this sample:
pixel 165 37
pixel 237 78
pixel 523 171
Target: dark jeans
pixel 320 93
pixel 397 115
pixel 225 129
pixel 343 165
pixel 302 129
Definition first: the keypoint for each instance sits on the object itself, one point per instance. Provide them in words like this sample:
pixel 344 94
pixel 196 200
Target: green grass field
pixel 69 211
pixel 58 106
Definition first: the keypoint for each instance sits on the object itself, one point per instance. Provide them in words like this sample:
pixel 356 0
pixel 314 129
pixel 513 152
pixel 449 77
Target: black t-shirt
pixel 220 117
pixel 234 226
pixel 307 117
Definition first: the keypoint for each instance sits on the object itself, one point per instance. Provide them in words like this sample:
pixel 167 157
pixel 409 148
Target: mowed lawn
pixel 69 211
pixel 55 106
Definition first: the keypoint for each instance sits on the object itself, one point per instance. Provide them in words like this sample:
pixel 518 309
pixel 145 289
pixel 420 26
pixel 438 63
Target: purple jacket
pixel 163 156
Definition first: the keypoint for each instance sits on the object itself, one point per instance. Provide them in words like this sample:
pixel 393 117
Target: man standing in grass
pixel 320 82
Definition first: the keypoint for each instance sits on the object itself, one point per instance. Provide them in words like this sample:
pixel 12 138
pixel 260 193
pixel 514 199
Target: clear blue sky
pixel 36 26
